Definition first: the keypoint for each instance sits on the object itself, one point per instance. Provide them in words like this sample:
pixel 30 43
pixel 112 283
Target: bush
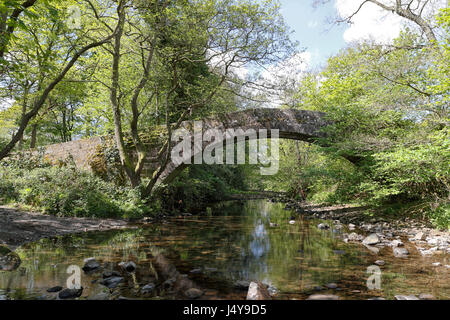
pixel 67 191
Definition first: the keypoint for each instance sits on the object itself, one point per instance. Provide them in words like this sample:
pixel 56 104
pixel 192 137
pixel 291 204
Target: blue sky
pixel 312 31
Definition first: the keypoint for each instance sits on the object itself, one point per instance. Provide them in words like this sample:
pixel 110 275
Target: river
pixel 233 244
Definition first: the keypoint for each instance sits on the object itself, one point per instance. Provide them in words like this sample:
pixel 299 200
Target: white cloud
pixel 375 23
pixel 280 81
pixel 372 22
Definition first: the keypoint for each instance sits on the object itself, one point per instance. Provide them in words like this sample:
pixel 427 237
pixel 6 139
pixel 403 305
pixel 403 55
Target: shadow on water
pixel 241 241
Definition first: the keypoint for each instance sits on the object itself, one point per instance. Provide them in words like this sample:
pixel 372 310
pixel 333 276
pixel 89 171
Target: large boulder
pixel 9 260
pixel 258 291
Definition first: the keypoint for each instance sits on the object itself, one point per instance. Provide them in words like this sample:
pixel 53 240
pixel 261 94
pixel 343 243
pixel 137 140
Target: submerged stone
pixel 70 293
pixel 112 282
pixel 55 289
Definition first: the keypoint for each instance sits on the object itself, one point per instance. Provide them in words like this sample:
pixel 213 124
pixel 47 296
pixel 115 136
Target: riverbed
pixel 219 254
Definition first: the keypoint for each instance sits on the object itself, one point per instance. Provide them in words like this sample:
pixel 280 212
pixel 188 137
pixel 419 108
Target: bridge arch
pixel 291 124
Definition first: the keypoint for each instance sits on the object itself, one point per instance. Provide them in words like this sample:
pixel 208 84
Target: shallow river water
pixel 235 243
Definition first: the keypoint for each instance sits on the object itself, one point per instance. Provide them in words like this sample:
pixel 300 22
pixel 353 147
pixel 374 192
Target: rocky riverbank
pixel 376 232
pixel 18 227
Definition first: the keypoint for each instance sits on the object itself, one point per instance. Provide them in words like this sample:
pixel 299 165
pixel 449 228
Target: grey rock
pixel 371 239
pixel 323 297
pixel 410 297
pixel 400 252
pixel 100 296
pixel 90 265
pixel 376 298
pixel 112 282
pixel 372 249
pixel 426 296
pixel 397 243
pixel 420 236
pixel 323 226
pixel 55 289
pixel 318 288
pixel 331 285
pixel 148 288
pixel 273 291
pixel 193 293
pixel 436 264
pixel 355 237
pixel 109 274
pixel 198 270
pixel 258 291
pixel 242 285
pixel 169 283
pixel 380 262
pixel 339 252
pixel 3 298
pixel 129 266
pixel 70 293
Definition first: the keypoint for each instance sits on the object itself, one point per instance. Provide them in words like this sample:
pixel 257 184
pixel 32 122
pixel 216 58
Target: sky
pixel 322 39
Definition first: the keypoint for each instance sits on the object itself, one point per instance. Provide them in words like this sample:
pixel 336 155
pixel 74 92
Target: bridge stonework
pixel 292 124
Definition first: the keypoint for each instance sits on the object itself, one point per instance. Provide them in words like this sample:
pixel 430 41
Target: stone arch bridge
pixel 291 124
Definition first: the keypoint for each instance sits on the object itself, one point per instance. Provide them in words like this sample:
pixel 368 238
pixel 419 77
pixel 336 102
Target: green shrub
pixel 66 191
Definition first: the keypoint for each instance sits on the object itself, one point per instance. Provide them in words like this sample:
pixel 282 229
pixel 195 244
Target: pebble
pixel 198 270
pixel 129 266
pixel 400 252
pixel 426 296
pixel 331 285
pixel 242 285
pixel 380 262
pixel 55 289
pixel 148 288
pixel 111 282
pixel 410 297
pixel 397 243
pixel 323 226
pixel 436 264
pixel 109 274
pixel 323 297
pixel 193 293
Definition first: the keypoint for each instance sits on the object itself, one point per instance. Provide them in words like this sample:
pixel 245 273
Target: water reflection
pixel 236 243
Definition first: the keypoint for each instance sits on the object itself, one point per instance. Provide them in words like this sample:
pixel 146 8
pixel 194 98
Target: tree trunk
pixel 33 136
